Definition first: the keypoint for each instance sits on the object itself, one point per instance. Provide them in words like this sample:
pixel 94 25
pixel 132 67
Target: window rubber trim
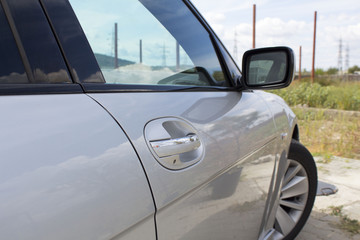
pixel 40 89
pixel 123 88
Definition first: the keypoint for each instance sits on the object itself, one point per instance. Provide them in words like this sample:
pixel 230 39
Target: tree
pixel 353 69
pixel 319 71
pixel 332 71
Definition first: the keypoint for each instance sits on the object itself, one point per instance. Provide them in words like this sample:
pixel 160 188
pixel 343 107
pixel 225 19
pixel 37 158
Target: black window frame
pixel 31 87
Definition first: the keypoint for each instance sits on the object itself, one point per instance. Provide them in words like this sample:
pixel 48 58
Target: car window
pixel 11 67
pixel 234 72
pixel 149 42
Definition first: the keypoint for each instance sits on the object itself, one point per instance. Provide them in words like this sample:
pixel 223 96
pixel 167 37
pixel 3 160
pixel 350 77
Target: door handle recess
pixel 174 143
pixel 169 147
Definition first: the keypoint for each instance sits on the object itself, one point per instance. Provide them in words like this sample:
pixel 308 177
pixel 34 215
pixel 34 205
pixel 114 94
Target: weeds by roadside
pixel 322 94
pixel 327 132
pixel 324 131
pixel 350 225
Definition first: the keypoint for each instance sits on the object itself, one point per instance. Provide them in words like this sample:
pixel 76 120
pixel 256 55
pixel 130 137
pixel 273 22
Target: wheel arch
pixel 295 134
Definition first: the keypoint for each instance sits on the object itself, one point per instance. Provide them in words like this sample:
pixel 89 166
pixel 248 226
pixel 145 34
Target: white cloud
pixel 218 28
pixel 329 40
pixel 226 6
pixel 275 27
pixel 289 23
pixel 214 17
pixel 269 32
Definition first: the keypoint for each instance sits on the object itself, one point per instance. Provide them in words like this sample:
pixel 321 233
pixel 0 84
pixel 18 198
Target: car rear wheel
pixel 297 194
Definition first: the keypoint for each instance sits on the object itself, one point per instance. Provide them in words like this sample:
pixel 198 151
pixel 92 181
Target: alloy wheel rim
pixel 292 201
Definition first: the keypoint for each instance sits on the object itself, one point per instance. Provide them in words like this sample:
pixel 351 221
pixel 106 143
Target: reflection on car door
pixel 209 155
pixel 224 193
pixel 69 172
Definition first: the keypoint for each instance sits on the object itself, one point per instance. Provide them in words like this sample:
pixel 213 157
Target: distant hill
pixel 109 61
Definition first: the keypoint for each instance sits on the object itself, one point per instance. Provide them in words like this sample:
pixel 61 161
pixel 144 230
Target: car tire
pixel 298 191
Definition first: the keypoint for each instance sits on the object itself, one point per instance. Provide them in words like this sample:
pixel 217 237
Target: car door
pixel 67 170
pixel 208 149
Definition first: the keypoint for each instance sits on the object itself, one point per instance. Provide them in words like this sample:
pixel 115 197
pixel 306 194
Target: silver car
pixel 130 120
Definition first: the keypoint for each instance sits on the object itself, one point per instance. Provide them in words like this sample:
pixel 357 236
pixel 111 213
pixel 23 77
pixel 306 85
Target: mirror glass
pixel 267 68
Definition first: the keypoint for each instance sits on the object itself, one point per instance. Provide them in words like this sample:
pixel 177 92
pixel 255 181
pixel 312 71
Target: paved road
pixel 322 226
pixel 345 175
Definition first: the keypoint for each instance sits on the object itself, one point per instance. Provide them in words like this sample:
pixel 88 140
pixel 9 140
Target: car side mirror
pixel 268 68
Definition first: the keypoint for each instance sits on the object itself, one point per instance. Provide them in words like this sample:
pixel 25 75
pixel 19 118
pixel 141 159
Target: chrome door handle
pixel 174 143
pixel 169 147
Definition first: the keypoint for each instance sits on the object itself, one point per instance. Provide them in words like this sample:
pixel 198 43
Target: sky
pixel 289 23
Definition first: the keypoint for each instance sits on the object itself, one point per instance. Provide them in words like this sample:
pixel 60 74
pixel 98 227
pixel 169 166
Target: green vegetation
pixel 336 210
pixel 324 131
pixel 326 157
pixel 346 223
pixel 324 93
pixel 354 69
pixel 329 133
pixel 321 72
pixel 332 71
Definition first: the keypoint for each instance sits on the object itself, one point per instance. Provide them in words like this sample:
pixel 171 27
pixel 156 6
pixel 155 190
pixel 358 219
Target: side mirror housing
pixel 268 68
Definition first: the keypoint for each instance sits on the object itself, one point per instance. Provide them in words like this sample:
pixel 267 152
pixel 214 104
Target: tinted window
pixel 39 43
pixel 158 42
pixel 11 66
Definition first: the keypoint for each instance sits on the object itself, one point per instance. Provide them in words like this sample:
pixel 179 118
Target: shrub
pixel 344 96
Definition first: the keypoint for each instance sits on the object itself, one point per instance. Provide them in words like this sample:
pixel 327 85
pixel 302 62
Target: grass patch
pixel 326 157
pixel 336 210
pixel 329 133
pixel 350 225
pixel 346 223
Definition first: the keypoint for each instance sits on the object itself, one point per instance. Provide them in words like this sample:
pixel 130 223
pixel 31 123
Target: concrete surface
pixel 345 175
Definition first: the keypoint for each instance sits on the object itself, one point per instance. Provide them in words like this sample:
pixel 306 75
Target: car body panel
pixel 284 118
pixel 82 166
pixel 237 131
pixel 68 172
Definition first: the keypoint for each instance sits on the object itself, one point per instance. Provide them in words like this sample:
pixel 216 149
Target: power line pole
pixel 340 62
pixel 177 56
pixel 116 63
pixel 300 63
pixel 254 23
pixel 141 54
pixel 235 53
pixel 347 53
pixel 164 56
pixel 347 56
pixel 313 57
